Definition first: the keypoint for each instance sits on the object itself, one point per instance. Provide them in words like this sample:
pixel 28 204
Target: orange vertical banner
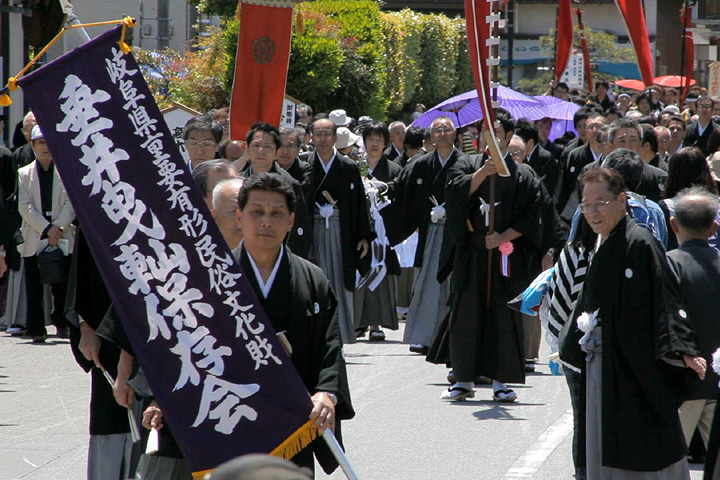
pixel 633 15
pixel 564 38
pixel 261 64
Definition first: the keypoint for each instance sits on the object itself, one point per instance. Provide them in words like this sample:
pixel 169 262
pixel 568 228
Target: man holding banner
pixel 208 349
pixel 299 302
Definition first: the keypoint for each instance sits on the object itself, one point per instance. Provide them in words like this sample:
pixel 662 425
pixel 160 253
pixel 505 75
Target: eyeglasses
pixel 289 146
pixel 705 106
pixel 518 155
pixel 597 207
pixel 323 133
pixel 204 143
pixel 443 131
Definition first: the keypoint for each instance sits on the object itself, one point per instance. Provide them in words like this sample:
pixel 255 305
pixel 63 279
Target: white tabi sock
pixel 499 386
pixel 465 385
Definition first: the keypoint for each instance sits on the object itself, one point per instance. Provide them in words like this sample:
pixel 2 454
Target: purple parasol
pixel 561 113
pixel 464 109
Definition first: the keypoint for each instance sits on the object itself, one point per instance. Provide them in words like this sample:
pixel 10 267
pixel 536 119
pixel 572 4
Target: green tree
pixel 602 46
pixel 223 8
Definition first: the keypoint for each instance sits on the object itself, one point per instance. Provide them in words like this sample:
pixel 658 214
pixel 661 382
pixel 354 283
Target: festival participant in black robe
pixel 574 163
pixel 110 451
pixel 299 302
pixel 637 334
pixel 341 229
pixel 288 156
pixel 540 160
pixel 698 132
pixel 487 340
pixel 374 297
pixel 420 196
pixel 263 142
pixel 696 265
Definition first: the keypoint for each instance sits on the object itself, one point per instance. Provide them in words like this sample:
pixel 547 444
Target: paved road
pixel 402 430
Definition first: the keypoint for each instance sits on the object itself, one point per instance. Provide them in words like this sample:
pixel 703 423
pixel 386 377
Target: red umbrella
pixel 672 81
pixel 631 84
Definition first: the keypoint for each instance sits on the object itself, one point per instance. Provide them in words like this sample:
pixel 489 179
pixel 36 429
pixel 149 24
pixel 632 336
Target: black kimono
pixel 644 326
pixel 344 185
pixel 489 341
pixel 548 169
pixel 387 171
pixel 88 298
pixel 418 181
pixel 300 237
pixel 302 305
pixel 696 266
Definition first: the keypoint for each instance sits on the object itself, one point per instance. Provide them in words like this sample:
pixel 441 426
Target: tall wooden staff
pixel 482 17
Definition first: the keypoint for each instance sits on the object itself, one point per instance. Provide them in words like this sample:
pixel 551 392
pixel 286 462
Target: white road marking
pixel 532 459
pixel 29 462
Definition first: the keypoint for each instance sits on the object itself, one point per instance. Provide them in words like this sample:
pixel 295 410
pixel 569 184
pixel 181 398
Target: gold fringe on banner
pixel 296 442
pixel 237 11
pixel 287 449
pixel 12 81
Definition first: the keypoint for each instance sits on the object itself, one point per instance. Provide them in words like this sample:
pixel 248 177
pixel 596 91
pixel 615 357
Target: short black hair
pixel 506 121
pixel 679 119
pixel 649 136
pixel 376 128
pixel 267 182
pixel 697 217
pixel 527 130
pixel 264 127
pixel 562 85
pixel 602 83
pixel 628 164
pixel 580 115
pixel 204 123
pixel 201 172
pixel 414 137
pixel 613 111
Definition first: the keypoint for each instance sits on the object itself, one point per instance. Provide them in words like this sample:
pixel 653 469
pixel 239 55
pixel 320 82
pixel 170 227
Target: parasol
pixel 465 109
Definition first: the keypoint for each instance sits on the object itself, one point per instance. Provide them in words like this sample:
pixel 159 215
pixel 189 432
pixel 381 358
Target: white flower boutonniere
pixel 587 323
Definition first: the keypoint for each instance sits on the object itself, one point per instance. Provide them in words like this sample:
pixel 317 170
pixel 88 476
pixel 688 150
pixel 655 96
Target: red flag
pixel 689 67
pixel 634 18
pixel 261 64
pixel 480 20
pixel 564 38
pixel 583 46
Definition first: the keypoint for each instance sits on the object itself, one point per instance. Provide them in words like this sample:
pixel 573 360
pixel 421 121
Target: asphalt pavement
pixel 402 429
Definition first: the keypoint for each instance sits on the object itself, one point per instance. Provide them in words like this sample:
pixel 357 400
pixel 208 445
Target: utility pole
pixel 511 40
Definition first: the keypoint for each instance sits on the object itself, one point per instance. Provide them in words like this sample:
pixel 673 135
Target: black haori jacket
pixel 345 186
pixel 644 330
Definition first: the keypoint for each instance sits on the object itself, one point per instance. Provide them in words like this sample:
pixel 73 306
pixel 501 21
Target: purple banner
pixel 222 379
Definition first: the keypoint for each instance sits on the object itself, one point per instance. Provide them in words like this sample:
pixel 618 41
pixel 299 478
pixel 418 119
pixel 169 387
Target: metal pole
pixel 340 456
pixel 511 40
pixel 140 25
